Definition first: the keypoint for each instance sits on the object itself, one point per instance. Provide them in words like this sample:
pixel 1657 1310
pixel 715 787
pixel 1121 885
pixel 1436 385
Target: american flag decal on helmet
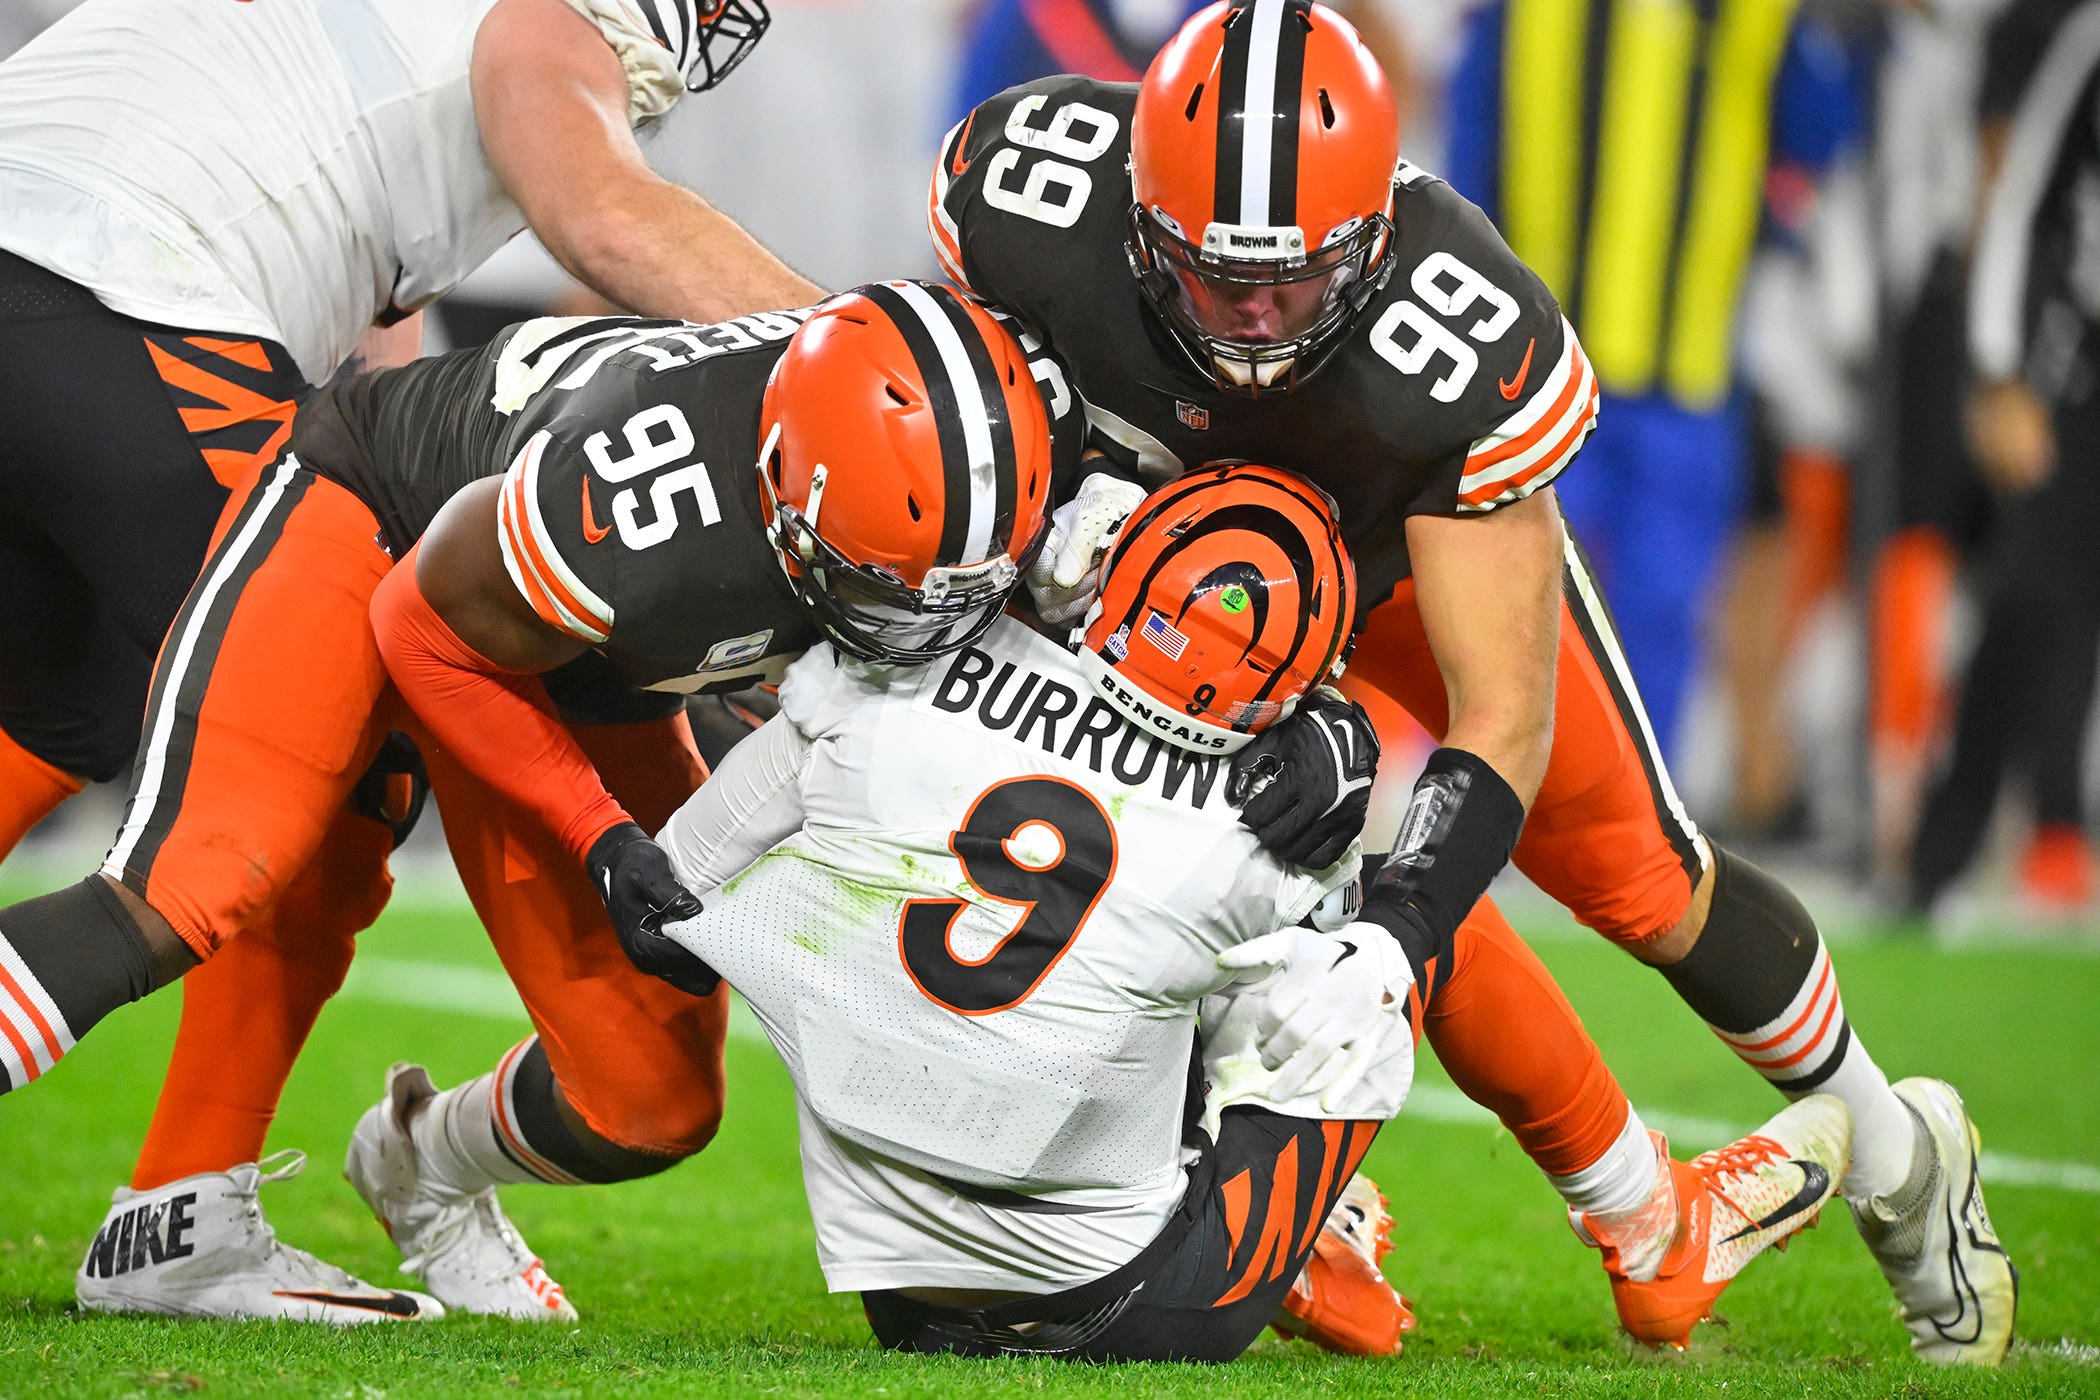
pixel 1162 634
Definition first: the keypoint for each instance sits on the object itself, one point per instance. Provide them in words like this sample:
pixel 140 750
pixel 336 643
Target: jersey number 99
pixel 1055 895
pixel 1055 190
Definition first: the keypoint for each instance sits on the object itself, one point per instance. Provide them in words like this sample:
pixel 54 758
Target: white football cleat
pixel 1957 1287
pixel 199 1247
pixel 462 1246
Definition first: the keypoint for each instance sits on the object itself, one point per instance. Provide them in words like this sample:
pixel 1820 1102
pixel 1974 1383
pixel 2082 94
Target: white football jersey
pixel 286 169
pixel 979 944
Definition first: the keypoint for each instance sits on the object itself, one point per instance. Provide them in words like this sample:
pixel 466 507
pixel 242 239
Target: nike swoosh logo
pixel 592 530
pixel 1512 387
pixel 962 141
pixel 1815 1184
pixel 392 1304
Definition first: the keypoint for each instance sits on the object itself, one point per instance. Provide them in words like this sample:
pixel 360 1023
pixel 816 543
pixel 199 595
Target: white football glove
pixel 1330 1017
pixel 1064 577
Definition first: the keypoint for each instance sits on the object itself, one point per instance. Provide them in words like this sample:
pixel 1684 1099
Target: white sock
pixel 1620 1180
pixel 467 1140
pixel 1884 1139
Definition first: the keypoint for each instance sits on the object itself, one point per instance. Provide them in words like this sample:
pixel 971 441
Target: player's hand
pixel 1332 1013
pixel 1067 569
pixel 633 876
pixel 2011 434
pixel 1304 785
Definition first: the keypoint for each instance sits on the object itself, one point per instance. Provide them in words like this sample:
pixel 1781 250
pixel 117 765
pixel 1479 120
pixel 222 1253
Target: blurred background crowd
pixel 1837 266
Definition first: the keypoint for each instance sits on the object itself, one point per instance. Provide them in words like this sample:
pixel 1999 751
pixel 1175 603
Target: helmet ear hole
pixel 896 395
pixel 911 503
pixel 775 467
pixel 1326 110
pixel 1195 97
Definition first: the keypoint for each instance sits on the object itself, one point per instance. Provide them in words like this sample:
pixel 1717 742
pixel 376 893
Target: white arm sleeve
pixel 750 804
pixel 656 43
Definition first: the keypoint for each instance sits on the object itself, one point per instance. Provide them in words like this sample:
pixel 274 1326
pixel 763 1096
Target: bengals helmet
pixel 1263 152
pixel 1226 598
pixel 903 469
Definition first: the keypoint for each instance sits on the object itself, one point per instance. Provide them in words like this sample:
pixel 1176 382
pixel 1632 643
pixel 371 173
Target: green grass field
pixel 704 1280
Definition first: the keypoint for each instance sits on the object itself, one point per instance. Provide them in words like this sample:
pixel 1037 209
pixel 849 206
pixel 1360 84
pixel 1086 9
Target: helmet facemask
pixel 872 612
pixel 1258 325
pixel 729 30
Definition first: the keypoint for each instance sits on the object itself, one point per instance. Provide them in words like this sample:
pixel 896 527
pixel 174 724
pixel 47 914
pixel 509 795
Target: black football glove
pixel 1304 785
pixel 633 876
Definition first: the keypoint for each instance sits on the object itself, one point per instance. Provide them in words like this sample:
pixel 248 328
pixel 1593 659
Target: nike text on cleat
pixel 199 1247
pixel 462 1246
pixel 1955 1284
pixel 1341 1302
pixel 1729 1206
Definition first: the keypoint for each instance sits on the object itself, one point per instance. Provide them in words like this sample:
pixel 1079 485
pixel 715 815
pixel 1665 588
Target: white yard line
pixel 479 991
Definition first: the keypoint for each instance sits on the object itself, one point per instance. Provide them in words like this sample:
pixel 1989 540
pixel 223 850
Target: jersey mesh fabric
pixel 1069 1097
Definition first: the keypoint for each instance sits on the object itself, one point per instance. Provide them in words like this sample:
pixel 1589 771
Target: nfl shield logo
pixel 1192 416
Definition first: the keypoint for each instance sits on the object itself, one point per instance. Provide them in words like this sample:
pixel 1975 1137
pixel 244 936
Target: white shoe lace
pixel 283 1166
pixel 473 1225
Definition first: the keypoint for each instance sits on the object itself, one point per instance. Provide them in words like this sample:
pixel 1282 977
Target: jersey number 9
pixel 998 845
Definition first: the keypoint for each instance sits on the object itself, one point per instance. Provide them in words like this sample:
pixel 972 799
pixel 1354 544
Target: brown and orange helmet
pixel 904 465
pixel 1263 151
pixel 1226 598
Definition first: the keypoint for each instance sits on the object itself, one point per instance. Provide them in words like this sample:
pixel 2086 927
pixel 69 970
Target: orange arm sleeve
pixel 499 723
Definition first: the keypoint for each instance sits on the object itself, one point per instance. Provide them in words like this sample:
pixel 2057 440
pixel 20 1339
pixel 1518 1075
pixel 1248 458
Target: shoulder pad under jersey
pixel 1495 395
pixel 606 421
pixel 1035 167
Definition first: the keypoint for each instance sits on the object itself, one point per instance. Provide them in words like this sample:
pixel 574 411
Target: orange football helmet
pixel 904 467
pixel 1263 152
pixel 1226 598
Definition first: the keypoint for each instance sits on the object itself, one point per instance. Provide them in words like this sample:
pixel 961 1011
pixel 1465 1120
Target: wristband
pixel 1461 825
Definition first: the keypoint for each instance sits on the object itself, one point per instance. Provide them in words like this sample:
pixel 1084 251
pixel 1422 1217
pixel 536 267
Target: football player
pixel 209 208
pixel 977 907
pixel 204 209
pixel 1275 284
pixel 575 500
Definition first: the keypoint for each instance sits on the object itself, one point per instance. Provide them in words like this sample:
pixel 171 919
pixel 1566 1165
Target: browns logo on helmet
pixel 1226 598
pixel 1263 150
pixel 904 466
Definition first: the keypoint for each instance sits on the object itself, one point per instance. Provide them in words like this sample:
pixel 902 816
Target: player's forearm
pixel 499 724
pixel 1516 740
pixel 659 249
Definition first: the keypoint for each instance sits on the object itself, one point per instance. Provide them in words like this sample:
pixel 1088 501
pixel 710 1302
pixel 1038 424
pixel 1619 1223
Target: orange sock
pixel 1510 1041
pixel 247 1011
pixel 1912 582
pixel 29 789
pixel 1815 488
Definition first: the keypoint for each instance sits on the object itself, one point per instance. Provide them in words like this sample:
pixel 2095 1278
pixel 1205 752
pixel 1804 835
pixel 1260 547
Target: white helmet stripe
pixel 1257 103
pixel 975 412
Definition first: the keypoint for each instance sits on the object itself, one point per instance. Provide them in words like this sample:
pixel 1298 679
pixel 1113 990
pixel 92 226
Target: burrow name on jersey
pixel 1027 707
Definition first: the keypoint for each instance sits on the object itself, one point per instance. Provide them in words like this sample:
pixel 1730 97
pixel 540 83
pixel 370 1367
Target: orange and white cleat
pixel 1341 1302
pixel 1670 1258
